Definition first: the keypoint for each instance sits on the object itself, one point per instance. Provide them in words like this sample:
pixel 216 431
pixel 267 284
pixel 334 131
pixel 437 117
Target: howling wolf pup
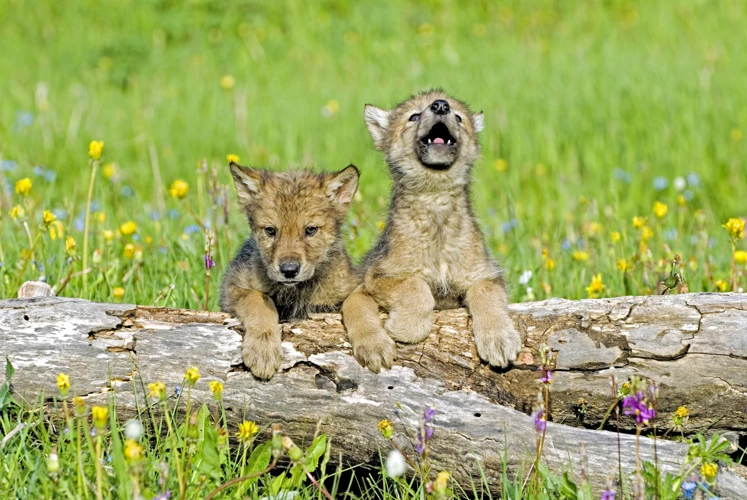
pixel 295 260
pixel 432 253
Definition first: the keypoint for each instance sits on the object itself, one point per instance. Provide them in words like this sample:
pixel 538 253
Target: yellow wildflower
pixel 639 222
pixel 721 285
pixel 596 287
pixel 16 212
pixel 70 245
pixel 740 257
pixel 128 228
pixel 133 452
pixel 56 230
pixel 118 292
pixel 232 158
pixel 179 189
pixel 646 233
pixel 623 265
pixel 682 412
pixel 660 209
pixel 441 482
pixel 615 236
pixel 385 427
pixel 100 414
pixel 108 234
pixel 23 186
pixel 736 135
pixel 331 108
pixel 549 264
pixel 100 217
pixel 48 218
pixel 580 255
pixel 157 390
pixel 95 149
pixel 129 250
pixel 595 228
pixel 709 471
pixel 109 170
pixel 192 375
pixel 227 82
pixel 500 165
pixel 380 225
pixel 63 384
pixel 216 388
pixel 80 406
pixel 735 228
pixel 247 430
pixel 148 240
pixel 681 200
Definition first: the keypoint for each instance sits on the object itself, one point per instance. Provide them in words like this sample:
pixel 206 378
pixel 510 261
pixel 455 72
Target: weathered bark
pixel 694 346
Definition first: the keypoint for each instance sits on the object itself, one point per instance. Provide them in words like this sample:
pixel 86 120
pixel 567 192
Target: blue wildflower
pixel 193 228
pixel 566 244
pixel 174 213
pixel 688 488
pixel 622 175
pixel 660 183
pixel 693 179
pixel 127 191
pixel 8 165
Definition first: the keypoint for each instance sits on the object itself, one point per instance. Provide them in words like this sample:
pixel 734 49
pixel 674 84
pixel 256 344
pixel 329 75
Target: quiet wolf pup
pixel 295 260
pixel 432 253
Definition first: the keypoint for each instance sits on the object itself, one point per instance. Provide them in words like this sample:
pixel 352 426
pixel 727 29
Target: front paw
pixel 374 350
pixel 497 342
pixel 409 327
pixel 262 354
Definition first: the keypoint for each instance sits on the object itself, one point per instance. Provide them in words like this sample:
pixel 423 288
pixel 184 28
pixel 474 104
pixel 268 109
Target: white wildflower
pixel 395 464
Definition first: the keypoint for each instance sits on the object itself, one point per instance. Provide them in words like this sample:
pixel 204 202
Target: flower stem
pixel 99 468
pixel 94 167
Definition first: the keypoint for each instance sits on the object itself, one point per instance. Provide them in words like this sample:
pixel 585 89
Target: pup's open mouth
pixel 439 136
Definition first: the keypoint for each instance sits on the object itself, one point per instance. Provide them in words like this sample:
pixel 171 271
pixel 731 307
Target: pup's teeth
pixel 438 140
pixel 429 141
pixel 448 142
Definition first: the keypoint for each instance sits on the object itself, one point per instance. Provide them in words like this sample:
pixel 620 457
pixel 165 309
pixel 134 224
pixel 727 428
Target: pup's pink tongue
pixel 438 140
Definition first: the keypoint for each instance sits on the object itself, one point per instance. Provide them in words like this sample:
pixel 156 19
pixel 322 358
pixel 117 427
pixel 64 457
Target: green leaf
pixel 315 451
pixel 9 370
pixel 258 461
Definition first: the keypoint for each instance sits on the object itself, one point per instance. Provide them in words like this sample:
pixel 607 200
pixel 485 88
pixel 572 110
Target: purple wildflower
pixel 637 407
pixel 163 496
pixel 539 419
pixel 425 433
pixel 546 377
pixel 608 495
pixel 209 262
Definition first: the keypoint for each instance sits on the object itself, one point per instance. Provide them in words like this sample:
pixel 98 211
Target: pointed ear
pixel 478 121
pixel 341 186
pixel 248 183
pixel 377 122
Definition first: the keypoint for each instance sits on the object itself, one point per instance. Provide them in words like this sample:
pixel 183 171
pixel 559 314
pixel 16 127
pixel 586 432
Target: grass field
pixel 616 138
pixel 594 111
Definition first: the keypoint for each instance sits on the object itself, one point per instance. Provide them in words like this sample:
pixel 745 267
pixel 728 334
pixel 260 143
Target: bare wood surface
pixel 694 346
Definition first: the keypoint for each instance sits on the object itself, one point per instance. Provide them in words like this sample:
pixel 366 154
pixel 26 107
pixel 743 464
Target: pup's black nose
pixel 440 107
pixel 289 269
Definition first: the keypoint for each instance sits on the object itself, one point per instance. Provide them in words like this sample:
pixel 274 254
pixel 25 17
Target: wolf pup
pixel 295 260
pixel 431 253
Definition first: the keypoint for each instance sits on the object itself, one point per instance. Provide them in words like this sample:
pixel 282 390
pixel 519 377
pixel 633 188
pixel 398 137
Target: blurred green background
pixel 594 110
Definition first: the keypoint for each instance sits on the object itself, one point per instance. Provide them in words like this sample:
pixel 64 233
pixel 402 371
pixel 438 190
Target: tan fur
pixel 432 253
pixel 254 288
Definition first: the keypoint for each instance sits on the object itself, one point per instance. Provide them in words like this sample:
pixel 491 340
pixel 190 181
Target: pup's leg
pixel 261 345
pixel 371 345
pixel 497 340
pixel 410 304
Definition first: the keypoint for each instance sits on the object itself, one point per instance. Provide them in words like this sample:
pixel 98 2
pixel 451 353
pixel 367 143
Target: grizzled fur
pixel 295 219
pixel 432 253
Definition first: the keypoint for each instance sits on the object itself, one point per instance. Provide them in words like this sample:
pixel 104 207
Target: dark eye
pixel 415 117
pixel 459 118
pixel 311 230
pixel 270 231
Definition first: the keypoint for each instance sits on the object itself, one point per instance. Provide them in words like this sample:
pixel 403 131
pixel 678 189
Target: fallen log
pixel 694 346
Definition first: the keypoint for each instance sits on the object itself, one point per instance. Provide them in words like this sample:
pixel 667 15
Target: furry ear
pixel 341 186
pixel 377 122
pixel 478 121
pixel 248 183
